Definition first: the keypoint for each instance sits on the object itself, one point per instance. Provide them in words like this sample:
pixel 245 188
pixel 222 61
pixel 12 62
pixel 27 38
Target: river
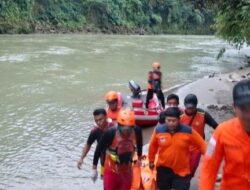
pixel 50 84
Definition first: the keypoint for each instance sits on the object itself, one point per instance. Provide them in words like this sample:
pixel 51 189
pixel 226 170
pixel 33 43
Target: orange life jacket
pixel 119 146
pixel 112 114
pixel 197 122
pixel 153 76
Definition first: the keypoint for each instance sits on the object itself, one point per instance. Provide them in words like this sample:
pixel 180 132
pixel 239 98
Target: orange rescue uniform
pixel 112 114
pixel 153 75
pixel 197 122
pixel 231 143
pixel 173 149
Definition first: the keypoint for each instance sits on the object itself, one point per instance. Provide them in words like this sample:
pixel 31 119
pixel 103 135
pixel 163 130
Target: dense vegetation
pixel 108 16
pixel 232 21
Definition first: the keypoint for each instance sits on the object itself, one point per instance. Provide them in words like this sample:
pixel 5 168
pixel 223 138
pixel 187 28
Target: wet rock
pixel 227 109
pixel 211 75
pixel 220 112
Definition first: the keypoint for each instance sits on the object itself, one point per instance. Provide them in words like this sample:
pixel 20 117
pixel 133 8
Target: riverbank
pixel 215 96
pixel 46 28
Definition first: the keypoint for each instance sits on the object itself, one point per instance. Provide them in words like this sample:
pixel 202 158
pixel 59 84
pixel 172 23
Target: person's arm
pixel 210 120
pixel 198 141
pixel 150 79
pixel 139 141
pixel 153 148
pixel 86 148
pixel 160 77
pixel 104 143
pixel 211 162
pixel 85 151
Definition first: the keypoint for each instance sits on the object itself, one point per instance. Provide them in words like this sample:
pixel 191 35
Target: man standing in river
pixel 102 124
pixel 230 142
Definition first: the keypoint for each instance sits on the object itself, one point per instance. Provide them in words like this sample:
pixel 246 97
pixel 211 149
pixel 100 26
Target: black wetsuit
pixel 95 135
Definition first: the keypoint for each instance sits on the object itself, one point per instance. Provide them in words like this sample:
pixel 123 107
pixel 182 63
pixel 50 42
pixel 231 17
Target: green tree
pixel 232 21
pixel 119 16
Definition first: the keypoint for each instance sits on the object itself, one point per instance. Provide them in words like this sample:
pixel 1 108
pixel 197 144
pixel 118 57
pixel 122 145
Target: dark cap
pixel 241 93
pixel 191 101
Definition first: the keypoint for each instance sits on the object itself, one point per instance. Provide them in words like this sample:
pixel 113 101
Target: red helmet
pixel 111 95
pixel 156 65
pixel 126 117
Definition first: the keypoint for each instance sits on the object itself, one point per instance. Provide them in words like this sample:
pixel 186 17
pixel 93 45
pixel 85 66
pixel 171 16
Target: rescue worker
pixel 197 119
pixel 154 84
pixel 120 144
pixel 171 142
pixel 172 101
pixel 231 143
pixel 114 104
pixel 102 124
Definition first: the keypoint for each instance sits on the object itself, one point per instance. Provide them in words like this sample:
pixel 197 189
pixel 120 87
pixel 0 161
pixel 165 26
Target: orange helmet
pixel 111 95
pixel 156 65
pixel 126 117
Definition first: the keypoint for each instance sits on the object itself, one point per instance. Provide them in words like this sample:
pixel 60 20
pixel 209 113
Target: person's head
pixel 112 100
pixel 172 118
pixel 173 100
pixel 190 103
pixel 100 117
pixel 156 66
pixel 241 100
pixel 126 121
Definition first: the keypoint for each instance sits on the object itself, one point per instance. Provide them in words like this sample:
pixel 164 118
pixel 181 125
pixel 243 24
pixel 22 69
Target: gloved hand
pixel 151 165
pixel 94 175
